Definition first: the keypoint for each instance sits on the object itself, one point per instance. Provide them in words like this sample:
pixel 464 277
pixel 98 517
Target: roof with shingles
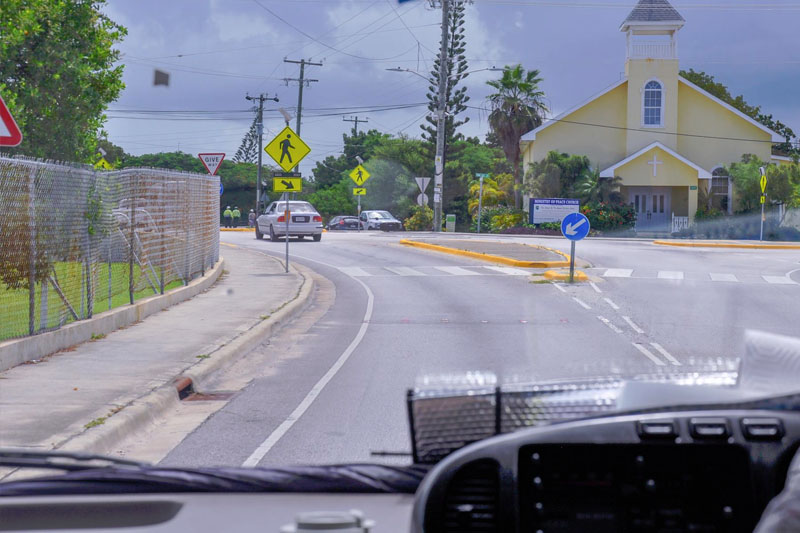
pixel 654 11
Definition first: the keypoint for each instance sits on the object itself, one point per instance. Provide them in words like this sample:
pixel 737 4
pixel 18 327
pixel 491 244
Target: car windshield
pixel 612 193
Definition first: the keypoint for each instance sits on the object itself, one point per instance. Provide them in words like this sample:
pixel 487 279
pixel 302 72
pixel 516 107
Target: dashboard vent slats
pixel 472 499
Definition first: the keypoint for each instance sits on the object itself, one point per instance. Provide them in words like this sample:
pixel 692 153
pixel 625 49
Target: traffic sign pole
pixel 572 263
pixel 286 215
pixel 763 200
pixel 359 213
pixel 574 227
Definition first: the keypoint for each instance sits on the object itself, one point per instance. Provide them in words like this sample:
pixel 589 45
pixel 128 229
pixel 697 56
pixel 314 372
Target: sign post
pixel 480 199
pixel 763 199
pixel 574 227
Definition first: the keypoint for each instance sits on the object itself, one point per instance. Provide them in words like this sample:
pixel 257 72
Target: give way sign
pixel 212 162
pixel 9 131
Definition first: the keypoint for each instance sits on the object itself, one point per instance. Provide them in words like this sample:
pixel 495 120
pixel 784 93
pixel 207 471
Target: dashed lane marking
pixel 595 287
pixel 614 306
pixel 669 274
pixel 723 277
pixel 665 353
pixel 559 287
pixel 618 273
pixel 647 353
pixel 633 326
pixel 610 324
pixel 581 303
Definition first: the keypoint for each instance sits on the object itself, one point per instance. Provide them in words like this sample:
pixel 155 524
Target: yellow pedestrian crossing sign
pixel 359 175
pixel 763 183
pixel 359 191
pixel 281 184
pixel 287 149
pixel 105 165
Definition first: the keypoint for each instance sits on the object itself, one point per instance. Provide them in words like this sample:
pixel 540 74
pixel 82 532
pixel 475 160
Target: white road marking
pixel 457 271
pixel 668 274
pixel 354 271
pixel 647 353
pixel 404 271
pixel 779 280
pixel 312 395
pixel 595 287
pixel 633 326
pixel 581 303
pixel 610 324
pixel 559 287
pixel 618 273
pixel 665 353
pixel 614 306
pixel 723 277
pixel 510 271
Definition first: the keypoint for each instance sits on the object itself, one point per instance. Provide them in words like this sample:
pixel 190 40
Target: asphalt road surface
pixel 336 392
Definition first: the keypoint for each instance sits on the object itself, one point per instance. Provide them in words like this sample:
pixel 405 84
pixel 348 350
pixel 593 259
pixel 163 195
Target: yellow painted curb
pixel 729 245
pixel 554 275
pixel 237 229
pixel 488 257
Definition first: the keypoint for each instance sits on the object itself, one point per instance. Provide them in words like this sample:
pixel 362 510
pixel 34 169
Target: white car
pixel 304 221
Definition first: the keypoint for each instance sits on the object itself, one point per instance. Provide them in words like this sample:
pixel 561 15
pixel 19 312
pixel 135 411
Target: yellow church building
pixel 665 137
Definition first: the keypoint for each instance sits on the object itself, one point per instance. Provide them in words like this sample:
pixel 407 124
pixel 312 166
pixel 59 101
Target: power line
pixel 355 120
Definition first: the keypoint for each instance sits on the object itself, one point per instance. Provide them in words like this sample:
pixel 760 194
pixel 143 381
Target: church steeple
pixel 651 29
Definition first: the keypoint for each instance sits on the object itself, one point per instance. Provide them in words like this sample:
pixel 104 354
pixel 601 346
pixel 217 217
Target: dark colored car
pixel 342 222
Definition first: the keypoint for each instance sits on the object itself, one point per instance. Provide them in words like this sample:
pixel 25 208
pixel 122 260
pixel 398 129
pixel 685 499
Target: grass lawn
pixel 14 302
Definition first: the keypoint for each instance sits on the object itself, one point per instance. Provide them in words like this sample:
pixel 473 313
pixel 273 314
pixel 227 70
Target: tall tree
pixel 455 98
pixel 708 83
pixel 248 150
pixel 517 106
pixel 57 74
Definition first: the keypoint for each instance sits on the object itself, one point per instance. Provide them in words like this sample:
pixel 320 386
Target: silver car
pixel 304 221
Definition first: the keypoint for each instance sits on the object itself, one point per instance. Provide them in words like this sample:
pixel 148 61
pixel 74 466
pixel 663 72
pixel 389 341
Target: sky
pixel 219 51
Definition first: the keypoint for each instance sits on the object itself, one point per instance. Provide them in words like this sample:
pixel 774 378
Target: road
pixel 335 391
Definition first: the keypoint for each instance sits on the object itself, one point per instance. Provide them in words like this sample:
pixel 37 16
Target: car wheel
pixel 259 235
pixel 317 237
pixel 272 236
pixel 301 237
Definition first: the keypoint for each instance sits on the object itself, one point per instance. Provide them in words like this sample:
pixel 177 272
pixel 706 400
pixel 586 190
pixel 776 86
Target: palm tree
pixel 593 188
pixel 517 107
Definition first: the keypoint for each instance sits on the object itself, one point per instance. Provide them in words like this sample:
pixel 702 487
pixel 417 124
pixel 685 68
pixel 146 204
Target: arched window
pixel 720 190
pixel 653 104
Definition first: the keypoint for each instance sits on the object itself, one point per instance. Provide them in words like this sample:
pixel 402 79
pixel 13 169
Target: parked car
pixel 304 221
pixel 343 222
pixel 382 220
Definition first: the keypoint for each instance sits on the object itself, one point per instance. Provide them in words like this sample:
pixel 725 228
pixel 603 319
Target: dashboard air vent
pixel 472 499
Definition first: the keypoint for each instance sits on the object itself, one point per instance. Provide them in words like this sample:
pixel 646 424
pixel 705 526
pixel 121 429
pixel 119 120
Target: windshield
pixel 624 207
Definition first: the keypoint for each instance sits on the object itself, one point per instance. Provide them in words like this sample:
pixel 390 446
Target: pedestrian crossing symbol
pixel 103 164
pixel 359 175
pixel 287 149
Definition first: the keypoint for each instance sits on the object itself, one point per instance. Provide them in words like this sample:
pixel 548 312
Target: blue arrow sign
pixel 575 226
pixel 221 188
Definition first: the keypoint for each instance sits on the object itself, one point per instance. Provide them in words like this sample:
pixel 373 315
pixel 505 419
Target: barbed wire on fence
pixel 75 242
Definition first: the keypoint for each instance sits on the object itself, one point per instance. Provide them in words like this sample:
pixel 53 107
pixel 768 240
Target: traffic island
pixel 560 275
pixel 506 253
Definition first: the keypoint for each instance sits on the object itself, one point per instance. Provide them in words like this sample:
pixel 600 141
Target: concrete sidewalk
pixel 82 389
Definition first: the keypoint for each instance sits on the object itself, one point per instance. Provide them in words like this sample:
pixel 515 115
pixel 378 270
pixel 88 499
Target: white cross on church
pixel 655 162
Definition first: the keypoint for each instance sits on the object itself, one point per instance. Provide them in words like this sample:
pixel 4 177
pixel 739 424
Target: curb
pixel 728 245
pixel 554 275
pixel 236 229
pixel 17 351
pixel 491 258
pixel 147 408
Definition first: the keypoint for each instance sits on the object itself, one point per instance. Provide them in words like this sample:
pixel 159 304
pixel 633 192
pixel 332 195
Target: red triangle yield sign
pixel 212 162
pixel 9 131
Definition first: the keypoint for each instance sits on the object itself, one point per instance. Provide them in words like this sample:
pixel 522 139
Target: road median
pixel 513 254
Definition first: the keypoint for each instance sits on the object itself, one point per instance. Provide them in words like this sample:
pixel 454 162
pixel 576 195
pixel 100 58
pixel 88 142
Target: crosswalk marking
pixel 618 273
pixel 457 271
pixel 668 274
pixel 404 271
pixel 665 353
pixel 723 277
pixel 581 303
pixel 778 280
pixel 647 353
pixel 510 271
pixel 354 271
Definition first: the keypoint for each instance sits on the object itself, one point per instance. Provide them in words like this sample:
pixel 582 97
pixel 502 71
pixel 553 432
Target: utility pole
pixel 260 128
pixel 438 180
pixel 302 80
pixel 356 120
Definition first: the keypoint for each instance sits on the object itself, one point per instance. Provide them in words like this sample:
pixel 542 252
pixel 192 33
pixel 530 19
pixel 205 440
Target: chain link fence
pixel 75 242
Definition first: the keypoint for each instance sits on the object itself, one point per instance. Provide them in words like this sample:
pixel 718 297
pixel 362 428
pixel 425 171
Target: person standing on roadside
pixel 251 218
pixel 227 215
pixel 237 215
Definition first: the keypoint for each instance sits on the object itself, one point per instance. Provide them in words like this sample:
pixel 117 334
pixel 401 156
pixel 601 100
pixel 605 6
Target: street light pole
pixel 260 130
pixel 438 180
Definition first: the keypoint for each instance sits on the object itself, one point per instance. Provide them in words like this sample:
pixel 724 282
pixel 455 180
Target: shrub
pixel 610 217
pixel 421 219
pixel 705 213
pixel 499 218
